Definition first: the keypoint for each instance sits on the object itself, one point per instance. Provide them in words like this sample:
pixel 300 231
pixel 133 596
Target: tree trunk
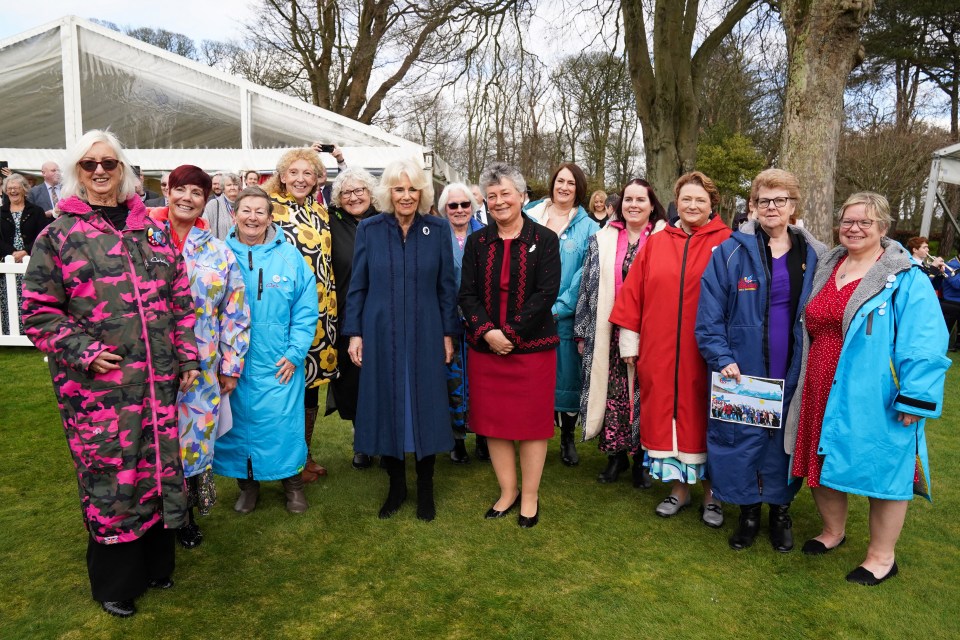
pixel 823 46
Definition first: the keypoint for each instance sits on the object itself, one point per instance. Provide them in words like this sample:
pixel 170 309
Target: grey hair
pixel 16 177
pixel 497 172
pixel 357 175
pixel 391 177
pixel 230 177
pixel 71 176
pixel 455 186
pixel 252 192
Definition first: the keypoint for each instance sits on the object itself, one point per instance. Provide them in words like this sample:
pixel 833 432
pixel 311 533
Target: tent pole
pixel 70 59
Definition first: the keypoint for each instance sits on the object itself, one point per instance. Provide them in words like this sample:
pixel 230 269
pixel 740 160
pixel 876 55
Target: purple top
pixel 779 325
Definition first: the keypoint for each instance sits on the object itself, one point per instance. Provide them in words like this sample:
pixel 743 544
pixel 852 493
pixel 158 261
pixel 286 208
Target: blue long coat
pixel 573 252
pixel 748 464
pixel 267 428
pixel 892 360
pixel 402 302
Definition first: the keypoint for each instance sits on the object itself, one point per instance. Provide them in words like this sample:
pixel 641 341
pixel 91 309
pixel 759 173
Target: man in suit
pixel 161 201
pixel 481 213
pixel 145 194
pixel 47 194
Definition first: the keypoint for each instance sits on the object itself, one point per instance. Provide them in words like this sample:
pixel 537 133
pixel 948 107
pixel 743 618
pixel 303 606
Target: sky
pixel 198 19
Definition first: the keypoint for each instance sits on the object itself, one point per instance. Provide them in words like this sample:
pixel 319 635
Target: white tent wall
pixel 167 110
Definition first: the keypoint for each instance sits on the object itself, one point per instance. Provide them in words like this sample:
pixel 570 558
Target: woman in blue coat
pixel 266 441
pixel 401 318
pixel 562 214
pixel 748 324
pixel 873 371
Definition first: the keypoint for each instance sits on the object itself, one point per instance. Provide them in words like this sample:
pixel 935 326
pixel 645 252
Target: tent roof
pixel 72 75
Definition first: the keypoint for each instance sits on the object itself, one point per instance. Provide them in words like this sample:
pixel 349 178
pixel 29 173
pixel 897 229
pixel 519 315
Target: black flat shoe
pixel 528 522
pixel 867 579
pixel 361 461
pixel 162 583
pixel 119 608
pixel 814 547
pixel 492 513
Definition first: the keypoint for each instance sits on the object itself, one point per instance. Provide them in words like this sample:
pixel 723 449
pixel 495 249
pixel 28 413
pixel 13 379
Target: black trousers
pixel 951 315
pixel 122 571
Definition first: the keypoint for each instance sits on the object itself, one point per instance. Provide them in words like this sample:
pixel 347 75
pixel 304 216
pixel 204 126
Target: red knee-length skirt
pixel 511 397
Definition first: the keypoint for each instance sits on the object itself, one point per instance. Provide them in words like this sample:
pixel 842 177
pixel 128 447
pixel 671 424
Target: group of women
pixel 175 354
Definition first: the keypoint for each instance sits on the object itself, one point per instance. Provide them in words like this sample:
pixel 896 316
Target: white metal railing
pixel 10 306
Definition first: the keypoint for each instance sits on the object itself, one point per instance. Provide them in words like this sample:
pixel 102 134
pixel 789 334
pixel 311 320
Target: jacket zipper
pixel 676 369
pixel 260 285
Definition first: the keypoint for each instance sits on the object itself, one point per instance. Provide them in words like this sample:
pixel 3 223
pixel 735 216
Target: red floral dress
pixel 825 325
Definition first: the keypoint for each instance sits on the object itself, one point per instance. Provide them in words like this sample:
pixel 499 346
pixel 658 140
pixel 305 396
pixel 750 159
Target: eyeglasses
pixel 108 164
pixel 779 203
pixel 458 205
pixel 356 193
pixel 864 224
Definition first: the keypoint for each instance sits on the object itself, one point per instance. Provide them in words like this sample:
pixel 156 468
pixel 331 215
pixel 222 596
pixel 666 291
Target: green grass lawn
pixel 599 565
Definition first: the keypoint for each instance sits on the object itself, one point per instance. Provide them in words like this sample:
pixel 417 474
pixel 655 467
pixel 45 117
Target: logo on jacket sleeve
pixel 747 283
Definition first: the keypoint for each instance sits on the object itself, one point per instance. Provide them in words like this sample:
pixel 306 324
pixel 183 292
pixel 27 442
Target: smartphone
pixel 4 165
pixel 326 148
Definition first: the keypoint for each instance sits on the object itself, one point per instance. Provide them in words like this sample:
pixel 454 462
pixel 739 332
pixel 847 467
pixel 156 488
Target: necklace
pixel 841 276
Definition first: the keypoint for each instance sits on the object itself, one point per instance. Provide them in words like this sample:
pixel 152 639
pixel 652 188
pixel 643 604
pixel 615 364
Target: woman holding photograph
pixel 752 294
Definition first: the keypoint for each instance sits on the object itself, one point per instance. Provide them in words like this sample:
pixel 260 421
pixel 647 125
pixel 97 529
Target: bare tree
pixel 668 74
pixel 351 55
pixel 823 46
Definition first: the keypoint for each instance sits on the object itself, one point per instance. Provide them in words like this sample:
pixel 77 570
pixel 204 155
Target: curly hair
pixel 275 185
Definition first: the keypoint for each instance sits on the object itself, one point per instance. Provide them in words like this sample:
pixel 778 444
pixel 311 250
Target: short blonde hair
pixel 875 205
pixel 71 177
pixel 274 185
pixel 392 174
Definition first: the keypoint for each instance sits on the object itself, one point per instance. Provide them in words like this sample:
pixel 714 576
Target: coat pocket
pixel 95 443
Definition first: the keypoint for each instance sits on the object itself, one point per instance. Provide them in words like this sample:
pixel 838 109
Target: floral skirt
pixel 621 418
pixel 202 492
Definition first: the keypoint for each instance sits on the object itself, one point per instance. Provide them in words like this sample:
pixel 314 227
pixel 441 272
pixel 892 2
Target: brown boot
pixel 296 500
pixel 312 470
pixel 249 492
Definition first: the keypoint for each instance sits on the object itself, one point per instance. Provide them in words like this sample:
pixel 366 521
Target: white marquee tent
pixel 944 168
pixel 69 76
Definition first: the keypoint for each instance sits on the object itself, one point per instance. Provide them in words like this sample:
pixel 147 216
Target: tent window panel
pixel 31 111
pixel 154 103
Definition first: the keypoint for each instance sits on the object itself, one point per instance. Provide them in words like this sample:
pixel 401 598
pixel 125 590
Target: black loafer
pixel 814 547
pixel 362 461
pixel 492 513
pixel 162 583
pixel 528 522
pixel 867 579
pixel 119 608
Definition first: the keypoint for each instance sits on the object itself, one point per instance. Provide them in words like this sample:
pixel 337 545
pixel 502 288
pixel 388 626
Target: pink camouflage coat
pixel 89 288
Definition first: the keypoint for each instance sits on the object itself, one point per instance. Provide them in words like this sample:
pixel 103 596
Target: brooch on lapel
pixel 156 237
pixel 532 248
pixel 426 231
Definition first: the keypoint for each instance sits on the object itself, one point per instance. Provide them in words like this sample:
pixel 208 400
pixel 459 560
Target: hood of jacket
pixel 74 206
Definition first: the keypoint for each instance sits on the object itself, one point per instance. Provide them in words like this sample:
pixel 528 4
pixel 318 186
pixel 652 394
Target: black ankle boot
pixel 568 450
pixel 398 486
pixel 616 464
pixel 426 509
pixel 781 528
pixel 640 474
pixel 459 453
pixel 747 528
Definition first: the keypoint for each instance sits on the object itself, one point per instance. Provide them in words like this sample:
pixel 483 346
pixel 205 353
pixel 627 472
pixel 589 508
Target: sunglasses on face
pixel 108 164
pixel 458 205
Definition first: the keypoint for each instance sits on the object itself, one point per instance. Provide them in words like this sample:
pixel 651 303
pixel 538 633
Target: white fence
pixel 11 305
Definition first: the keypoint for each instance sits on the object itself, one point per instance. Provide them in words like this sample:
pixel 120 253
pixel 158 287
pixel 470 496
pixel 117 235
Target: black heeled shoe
pixel 493 514
pixel 528 522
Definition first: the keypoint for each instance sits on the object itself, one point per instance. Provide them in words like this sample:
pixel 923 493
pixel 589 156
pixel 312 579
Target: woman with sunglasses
pixel 873 371
pixel 748 324
pixel 107 296
pixel 457 205
pixel 351 200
